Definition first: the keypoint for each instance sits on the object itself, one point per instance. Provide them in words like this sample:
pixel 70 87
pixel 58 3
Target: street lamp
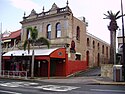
pixel 123 39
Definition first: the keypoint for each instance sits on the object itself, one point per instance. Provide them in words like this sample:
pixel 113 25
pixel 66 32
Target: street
pixel 29 87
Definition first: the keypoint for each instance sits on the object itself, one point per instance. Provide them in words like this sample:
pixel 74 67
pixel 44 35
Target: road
pixel 28 87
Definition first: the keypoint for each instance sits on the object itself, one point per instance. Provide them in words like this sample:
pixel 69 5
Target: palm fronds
pixel 44 41
pixel 113 16
pixel 34 39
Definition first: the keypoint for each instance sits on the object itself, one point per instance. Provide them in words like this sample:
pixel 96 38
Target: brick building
pixel 72 48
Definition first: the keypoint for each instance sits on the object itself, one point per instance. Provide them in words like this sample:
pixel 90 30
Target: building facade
pixel 72 48
pixel 97 51
pixel 10 40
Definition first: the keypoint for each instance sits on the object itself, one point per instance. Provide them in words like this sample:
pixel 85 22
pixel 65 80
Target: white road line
pixel 107 90
pixel 10 92
pixel 56 87
pixel 17 84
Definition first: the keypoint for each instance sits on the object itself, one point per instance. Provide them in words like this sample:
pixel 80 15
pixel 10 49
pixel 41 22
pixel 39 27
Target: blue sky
pixel 12 12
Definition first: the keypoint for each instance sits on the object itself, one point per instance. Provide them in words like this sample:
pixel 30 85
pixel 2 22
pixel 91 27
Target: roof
pixel 38 52
pixel 13 35
pixel 90 35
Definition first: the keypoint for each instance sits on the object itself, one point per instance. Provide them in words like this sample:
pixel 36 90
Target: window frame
pixel 58 30
pixel 49 30
pixel 78 33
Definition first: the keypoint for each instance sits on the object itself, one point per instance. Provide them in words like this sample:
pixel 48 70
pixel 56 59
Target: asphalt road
pixel 28 87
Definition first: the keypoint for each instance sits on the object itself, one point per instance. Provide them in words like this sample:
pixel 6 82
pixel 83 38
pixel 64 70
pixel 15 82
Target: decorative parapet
pixel 54 10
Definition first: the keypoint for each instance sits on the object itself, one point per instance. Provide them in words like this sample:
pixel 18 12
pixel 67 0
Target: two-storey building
pixel 72 48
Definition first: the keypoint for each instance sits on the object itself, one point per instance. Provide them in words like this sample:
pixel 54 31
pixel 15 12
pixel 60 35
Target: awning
pixel 53 52
pixel 25 53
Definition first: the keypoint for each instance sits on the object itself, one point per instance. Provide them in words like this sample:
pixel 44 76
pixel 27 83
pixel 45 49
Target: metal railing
pixel 14 74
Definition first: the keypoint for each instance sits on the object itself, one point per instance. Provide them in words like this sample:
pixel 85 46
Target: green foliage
pixel 34 39
pixel 44 41
pixel 25 44
pixel 33 32
pixel 112 16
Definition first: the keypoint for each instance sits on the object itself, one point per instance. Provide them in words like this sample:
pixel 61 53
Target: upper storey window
pixel 49 31
pixel 98 46
pixel 93 44
pixel 102 49
pixel 78 33
pixel 88 42
pixel 58 30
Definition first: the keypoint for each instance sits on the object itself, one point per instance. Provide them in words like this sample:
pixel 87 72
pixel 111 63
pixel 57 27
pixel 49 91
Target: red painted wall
pixel 75 66
pixel 44 70
pixel 59 53
pixel 60 69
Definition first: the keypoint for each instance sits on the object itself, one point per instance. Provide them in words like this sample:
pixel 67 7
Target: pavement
pixel 88 77
pixel 93 80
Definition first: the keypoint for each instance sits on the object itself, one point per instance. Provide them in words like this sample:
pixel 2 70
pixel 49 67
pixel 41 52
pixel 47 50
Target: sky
pixel 12 12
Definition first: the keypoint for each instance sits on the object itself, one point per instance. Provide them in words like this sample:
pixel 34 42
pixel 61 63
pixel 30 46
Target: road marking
pixel 107 90
pixel 36 85
pixel 18 84
pixel 10 92
pixel 56 87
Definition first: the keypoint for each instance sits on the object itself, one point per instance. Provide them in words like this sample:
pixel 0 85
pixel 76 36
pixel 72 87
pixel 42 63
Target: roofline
pixel 89 34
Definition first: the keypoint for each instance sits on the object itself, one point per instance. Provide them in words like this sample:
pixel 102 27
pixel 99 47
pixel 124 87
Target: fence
pixel 14 74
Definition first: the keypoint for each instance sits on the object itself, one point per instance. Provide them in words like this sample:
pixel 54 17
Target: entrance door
pixel 98 62
pixel 53 68
pixel 87 58
pixel 44 68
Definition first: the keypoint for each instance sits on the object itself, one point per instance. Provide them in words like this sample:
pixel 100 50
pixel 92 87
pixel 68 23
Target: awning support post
pixel 49 69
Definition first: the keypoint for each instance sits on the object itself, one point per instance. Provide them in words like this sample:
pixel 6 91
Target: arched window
pixel 49 31
pixel 107 52
pixel 78 33
pixel 98 46
pixel 87 41
pixel 27 34
pixel 58 30
pixel 93 44
pixel 102 49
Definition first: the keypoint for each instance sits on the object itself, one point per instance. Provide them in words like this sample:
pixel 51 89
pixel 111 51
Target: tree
pixel 32 38
pixel 113 27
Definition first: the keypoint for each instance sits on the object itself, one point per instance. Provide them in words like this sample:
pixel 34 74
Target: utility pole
pixel 123 37
pixel 0 47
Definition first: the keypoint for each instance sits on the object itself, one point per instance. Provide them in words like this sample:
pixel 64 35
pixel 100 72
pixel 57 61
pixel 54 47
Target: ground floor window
pixel 78 57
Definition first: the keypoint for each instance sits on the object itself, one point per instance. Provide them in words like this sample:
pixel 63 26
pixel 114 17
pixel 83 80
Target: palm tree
pixel 32 38
pixel 113 27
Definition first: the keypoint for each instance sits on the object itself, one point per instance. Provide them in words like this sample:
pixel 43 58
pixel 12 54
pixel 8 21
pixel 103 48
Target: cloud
pixel 25 5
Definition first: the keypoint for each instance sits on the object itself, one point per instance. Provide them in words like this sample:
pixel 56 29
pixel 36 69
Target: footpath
pixel 89 77
pixel 93 80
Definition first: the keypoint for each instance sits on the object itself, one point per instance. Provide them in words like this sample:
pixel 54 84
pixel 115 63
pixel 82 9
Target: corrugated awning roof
pixel 38 52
